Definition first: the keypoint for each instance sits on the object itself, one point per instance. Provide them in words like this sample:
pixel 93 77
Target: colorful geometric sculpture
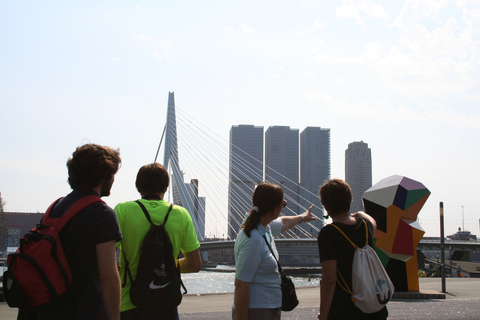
pixel 394 203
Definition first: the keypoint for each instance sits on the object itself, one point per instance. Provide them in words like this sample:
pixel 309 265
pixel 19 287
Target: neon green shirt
pixel 134 226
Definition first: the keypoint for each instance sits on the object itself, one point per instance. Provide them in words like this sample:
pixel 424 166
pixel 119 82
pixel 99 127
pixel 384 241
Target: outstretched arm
pixel 361 214
pixel 289 222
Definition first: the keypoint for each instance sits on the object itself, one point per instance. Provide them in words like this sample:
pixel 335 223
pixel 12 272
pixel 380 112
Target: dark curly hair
pixel 92 163
pixel 152 179
pixel 266 197
pixel 336 196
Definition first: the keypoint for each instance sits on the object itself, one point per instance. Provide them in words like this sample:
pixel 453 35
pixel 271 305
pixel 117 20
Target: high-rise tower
pixel 314 168
pixel 358 172
pixel 281 163
pixel 245 172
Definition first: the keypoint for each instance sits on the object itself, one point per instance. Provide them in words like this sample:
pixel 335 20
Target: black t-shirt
pixel 332 245
pixel 93 225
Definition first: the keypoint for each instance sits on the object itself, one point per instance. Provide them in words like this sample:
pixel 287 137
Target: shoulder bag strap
pixel 280 270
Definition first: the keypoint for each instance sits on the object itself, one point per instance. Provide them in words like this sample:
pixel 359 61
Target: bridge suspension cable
pixel 204 155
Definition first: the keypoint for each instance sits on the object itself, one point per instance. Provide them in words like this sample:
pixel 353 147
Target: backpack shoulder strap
pixel 341 231
pixel 147 215
pixel 343 284
pixel 78 206
pixel 366 232
pixel 127 263
pixel 353 244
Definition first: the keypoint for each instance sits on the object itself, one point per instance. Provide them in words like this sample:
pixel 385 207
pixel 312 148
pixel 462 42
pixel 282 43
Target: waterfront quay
pixel 462 301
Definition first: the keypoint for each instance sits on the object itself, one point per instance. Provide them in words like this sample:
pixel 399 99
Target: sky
pixel 402 76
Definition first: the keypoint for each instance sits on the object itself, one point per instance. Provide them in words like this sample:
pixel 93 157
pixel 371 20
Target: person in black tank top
pixel 337 253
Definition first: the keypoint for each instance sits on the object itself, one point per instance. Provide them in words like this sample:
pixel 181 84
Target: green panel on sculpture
pixel 413 196
pixel 384 258
pixel 395 202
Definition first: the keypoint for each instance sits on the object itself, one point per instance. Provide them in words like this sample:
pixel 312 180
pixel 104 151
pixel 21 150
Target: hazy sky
pixel 403 76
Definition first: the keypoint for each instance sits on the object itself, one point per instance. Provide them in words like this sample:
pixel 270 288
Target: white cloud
pixel 472 18
pixel 356 10
pixel 318 24
pixel 276 74
pixel 465 3
pixel 164 45
pixel 241 28
pixel 246 28
pixel 371 54
pixel 142 37
pixel 415 10
pixel 114 59
pixel 384 111
pixel 162 56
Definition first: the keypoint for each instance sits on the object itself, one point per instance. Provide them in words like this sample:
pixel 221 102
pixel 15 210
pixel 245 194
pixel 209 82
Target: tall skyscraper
pixel 245 172
pixel 314 168
pixel 298 163
pixel 358 172
pixel 281 163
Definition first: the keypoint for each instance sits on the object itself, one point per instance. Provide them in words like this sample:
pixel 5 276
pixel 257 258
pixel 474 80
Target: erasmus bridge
pixel 202 166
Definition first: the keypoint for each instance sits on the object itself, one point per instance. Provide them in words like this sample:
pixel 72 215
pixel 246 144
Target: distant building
pixel 245 172
pixel 314 169
pixel 16 224
pixel 358 172
pixel 463 235
pixel 298 163
pixel 281 163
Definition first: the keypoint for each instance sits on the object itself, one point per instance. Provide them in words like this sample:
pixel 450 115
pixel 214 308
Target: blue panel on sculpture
pixel 400 198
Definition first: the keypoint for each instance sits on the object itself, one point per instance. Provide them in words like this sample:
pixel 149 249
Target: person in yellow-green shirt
pixel 152 183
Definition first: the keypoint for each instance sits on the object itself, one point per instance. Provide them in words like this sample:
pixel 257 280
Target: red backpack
pixel 38 275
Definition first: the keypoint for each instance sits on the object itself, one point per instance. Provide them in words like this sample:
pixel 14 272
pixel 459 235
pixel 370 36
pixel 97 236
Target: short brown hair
pixel 336 196
pixel 152 179
pixel 92 163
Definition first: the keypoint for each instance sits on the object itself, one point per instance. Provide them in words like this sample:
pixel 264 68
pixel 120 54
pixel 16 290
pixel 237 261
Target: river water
pixel 223 282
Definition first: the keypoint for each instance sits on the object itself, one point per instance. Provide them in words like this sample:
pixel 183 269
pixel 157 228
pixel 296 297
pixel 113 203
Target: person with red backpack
pixel 87 232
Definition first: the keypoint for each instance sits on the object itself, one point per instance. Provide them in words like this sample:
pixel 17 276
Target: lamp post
pixel 442 249
pixel 463 219
pixel 451 270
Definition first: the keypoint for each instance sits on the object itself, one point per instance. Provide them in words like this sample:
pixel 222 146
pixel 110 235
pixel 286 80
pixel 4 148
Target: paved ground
pixel 462 302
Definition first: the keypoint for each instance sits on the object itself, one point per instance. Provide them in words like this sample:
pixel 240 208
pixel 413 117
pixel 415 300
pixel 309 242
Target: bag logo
pixel 378 291
pixel 160 272
pixel 154 286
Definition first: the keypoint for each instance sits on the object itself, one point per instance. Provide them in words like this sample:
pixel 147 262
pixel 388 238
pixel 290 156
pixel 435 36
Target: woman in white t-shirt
pixel 257 281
